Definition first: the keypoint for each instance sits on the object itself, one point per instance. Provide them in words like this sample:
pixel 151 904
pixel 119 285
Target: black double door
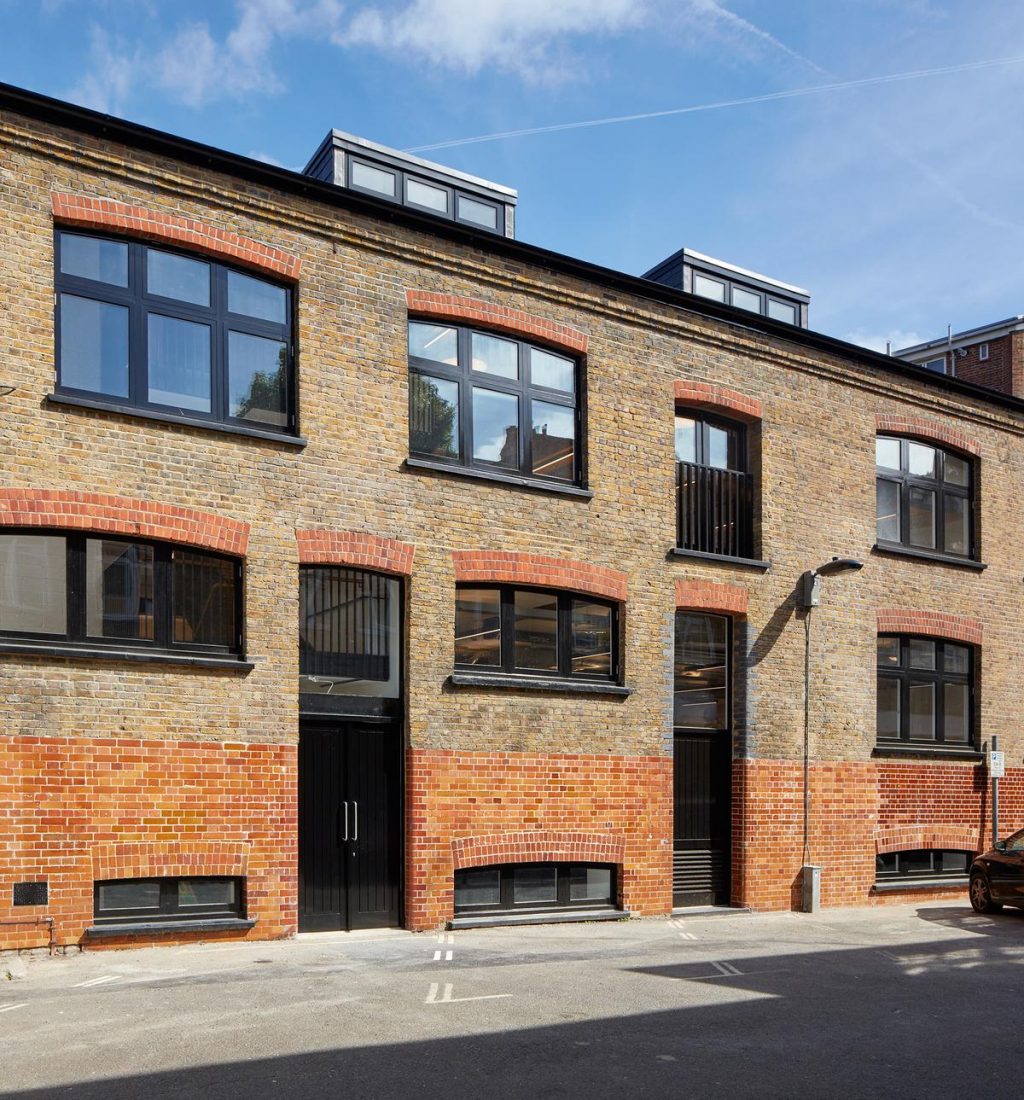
pixel 703 804
pixel 350 826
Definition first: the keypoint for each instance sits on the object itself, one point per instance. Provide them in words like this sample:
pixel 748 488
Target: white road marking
pixel 437 956
pixel 11 1008
pixel 446 997
pixel 102 980
pixel 451 938
pixel 448 956
pixel 666 1057
pixel 688 935
pixel 890 956
pixel 726 969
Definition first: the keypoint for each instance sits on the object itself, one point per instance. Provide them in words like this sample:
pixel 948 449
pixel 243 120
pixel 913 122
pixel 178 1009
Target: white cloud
pixel 897 338
pixel 528 38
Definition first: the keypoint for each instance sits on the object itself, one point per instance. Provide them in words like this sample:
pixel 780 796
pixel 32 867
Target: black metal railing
pixel 715 510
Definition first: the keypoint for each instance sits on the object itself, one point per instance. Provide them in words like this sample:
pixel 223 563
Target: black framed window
pixel 128 901
pixel 512 887
pixel 701 695
pixel 159 329
pixel 925 691
pixel 714 491
pixel 922 863
pixel 99 590
pixel 924 497
pixel 535 632
pixel 491 402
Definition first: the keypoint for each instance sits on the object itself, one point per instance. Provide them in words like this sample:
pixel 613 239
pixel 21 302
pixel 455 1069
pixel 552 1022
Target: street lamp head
pixel 838 565
pixel 810 582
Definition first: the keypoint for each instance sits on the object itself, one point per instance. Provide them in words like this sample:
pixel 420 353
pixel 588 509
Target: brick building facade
pixel 181 771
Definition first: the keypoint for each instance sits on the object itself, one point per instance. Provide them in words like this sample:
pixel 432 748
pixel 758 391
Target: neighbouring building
pixel 363 565
pixel 989 355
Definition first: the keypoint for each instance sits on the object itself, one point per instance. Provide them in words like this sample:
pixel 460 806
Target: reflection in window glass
pixel 590 883
pixel 493 355
pixel 536 631
pixel 129 895
pixel 553 371
pixel 179 363
pixel 686 439
pixel 746 299
pixel 719 447
pixel 478 627
pixel 474 887
pixel 955 703
pixel 118 589
pixel 591 638
pixel 922 653
pixel 701 671
pixel 173 276
pixel 781 311
pixel 479 213
pixel 33 584
pixel 257 379
pixel 204 598
pixel 920 460
pixel 433 416
pixel 889 651
pixel 887 452
pixel 956 534
pixel 887 510
pixel 957 471
pixel 437 342
pixel 888 707
pixel 709 288
pixel 206 891
pixel 495 428
pixel 553 440
pixel 257 298
pixel 534 885
pixel 94 258
pixel 373 179
pixel 956 658
pixel 921 517
pixel 422 194
pixel 922 711
pixel 93 346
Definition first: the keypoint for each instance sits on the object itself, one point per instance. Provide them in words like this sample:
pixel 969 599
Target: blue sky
pixel 897 204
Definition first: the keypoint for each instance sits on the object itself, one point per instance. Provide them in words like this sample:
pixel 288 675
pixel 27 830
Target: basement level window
pixel 922 863
pixel 533 888
pixel 130 901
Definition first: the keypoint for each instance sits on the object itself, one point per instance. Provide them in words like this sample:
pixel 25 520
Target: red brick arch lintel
pixel 510 567
pixel 357 548
pixel 70 510
pixel 711 397
pixel 473 311
pixel 906 838
pixel 158 860
pixel 932 624
pixel 94 212
pixel 699 595
pixel 538 846
pixel 932 430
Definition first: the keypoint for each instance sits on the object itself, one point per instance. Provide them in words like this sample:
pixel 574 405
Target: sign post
pixel 996 770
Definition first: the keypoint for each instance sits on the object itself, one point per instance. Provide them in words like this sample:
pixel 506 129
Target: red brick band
pixel 539 846
pixel 931 430
pixel 509 567
pixel 359 548
pixel 714 398
pixel 155 860
pixel 99 213
pixel 933 624
pixel 696 595
pixel 59 508
pixel 451 307
pixel 904 838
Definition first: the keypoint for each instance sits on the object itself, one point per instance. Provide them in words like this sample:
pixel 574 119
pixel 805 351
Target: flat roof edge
pixel 993 328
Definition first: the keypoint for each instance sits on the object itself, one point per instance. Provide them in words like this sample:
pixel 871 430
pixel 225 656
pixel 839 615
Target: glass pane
pixel 177 277
pixel 920 460
pixel 591 639
pixel 33 584
pixel 686 439
pixel 709 288
pixel 477 887
pixel 922 517
pixel 922 712
pixel 206 891
pixel 885 864
pixel 553 371
pixel 721 448
pixel 422 194
pixel 479 213
pixel 496 428
pixel 957 471
pixel 257 298
pixel 918 862
pixel 952 863
pixel 590 883
pixel 554 440
pixel 888 724
pixel 93 346
pixel 956 534
pixel 781 311
pixel 889 652
pixel 956 716
pixel 956 658
pixel 887 453
pixel 434 342
pixel 204 598
pixel 701 671
pixel 746 299
pixel 258 379
pixel 433 416
pixel 536 631
pixel 921 653
pixel 478 627
pixel 492 355
pixel 372 179
pixel 94 258
pixel 887 510
pixel 118 589
pixel 534 885
pixel 128 895
pixel 179 363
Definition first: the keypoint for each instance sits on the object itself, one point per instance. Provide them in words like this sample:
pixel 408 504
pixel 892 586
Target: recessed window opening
pixel 533 888
pixel 175 900
pixel 925 691
pixel 922 863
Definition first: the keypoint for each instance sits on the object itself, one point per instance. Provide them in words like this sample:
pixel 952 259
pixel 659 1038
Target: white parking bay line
pixel 726 969
pixel 11 1008
pixel 448 956
pixel 437 956
pixel 102 980
pixel 447 998
pixel 688 935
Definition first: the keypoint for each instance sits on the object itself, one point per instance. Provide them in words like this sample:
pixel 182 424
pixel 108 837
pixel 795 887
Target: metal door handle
pixel 343 810
pixel 355 814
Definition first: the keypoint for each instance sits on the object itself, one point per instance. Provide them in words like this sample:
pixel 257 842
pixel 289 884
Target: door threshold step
pixel 565 917
pixel 709 911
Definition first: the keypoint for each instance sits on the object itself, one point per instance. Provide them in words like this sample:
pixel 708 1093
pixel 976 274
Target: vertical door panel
pixel 702 778
pixel 321 855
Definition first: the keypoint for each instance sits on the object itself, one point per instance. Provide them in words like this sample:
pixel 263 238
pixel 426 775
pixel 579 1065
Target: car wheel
pixel 981 896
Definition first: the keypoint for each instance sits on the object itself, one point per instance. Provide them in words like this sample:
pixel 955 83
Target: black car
pixel 997 876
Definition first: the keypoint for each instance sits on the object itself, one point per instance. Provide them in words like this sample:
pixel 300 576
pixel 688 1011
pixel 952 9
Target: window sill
pixel 171 927
pixel 537 683
pixel 552 916
pixel 133 411
pixel 927 555
pixel 954 882
pixel 498 478
pixel 957 753
pixel 725 559
pixel 89 653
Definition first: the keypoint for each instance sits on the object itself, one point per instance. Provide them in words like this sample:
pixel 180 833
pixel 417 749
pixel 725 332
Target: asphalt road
pixel 886 1002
